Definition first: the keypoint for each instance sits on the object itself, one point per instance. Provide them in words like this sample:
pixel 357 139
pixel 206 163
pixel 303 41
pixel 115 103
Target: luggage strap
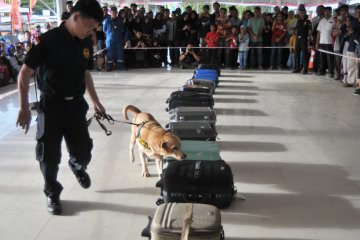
pixel 187 222
pixel 138 136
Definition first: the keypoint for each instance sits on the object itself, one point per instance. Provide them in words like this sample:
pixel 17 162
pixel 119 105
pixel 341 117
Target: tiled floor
pixel 293 143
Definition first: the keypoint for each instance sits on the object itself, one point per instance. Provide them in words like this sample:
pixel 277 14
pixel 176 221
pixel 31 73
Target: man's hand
pixel 24 119
pixel 99 108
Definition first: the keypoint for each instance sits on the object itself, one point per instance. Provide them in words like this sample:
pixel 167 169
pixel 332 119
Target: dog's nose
pixel 183 156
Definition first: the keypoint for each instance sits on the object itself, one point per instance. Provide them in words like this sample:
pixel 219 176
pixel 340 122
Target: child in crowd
pixel 212 39
pixel 155 54
pixel 5 73
pixel 233 40
pixel 243 47
pixel 292 43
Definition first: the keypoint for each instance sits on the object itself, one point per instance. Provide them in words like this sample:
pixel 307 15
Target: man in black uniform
pixel 63 58
pixel 69 7
pixel 303 27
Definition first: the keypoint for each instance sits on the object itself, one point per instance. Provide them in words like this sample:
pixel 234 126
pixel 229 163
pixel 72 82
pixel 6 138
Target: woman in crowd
pixel 278 40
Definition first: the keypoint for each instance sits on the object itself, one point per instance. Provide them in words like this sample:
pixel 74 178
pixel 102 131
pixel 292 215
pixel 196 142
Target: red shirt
pixel 233 43
pixel 212 39
pixel 279 30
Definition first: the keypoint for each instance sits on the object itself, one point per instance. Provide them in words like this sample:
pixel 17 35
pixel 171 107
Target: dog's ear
pixel 163 145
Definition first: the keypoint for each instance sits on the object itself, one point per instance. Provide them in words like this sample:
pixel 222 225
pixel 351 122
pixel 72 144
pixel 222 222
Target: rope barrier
pixel 270 47
pixel 338 54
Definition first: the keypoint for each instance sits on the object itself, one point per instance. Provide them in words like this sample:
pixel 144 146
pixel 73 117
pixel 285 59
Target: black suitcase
pixel 208 182
pixel 189 99
pixel 193 130
pixel 193 114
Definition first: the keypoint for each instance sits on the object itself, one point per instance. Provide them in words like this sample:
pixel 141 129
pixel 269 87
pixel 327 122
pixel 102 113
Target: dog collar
pixel 138 136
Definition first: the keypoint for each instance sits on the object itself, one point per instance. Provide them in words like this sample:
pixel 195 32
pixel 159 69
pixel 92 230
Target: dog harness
pixel 138 136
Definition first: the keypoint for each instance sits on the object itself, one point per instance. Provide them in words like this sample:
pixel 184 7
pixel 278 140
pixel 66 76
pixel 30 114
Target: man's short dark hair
pixel 89 9
pixel 344 7
pixel 216 3
pixel 69 2
pixel 328 9
pixel 113 9
pixel 223 9
pixel 257 8
pixel 206 7
pixel 302 10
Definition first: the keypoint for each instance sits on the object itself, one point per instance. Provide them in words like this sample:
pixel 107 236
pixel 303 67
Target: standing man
pixel 63 58
pixel 256 26
pixel 69 8
pixel 170 37
pixel 113 28
pixel 303 27
pixel 325 42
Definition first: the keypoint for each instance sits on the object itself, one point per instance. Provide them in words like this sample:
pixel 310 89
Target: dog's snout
pixel 183 156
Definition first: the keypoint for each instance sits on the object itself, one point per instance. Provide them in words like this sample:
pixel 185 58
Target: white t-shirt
pixel 325 28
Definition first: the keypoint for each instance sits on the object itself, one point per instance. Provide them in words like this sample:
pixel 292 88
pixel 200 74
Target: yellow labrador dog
pixel 153 141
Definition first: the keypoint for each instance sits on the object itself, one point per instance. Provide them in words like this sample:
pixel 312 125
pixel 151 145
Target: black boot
pixel 54 205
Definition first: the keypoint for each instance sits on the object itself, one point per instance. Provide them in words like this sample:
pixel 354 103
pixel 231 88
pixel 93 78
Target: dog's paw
pixel 146 174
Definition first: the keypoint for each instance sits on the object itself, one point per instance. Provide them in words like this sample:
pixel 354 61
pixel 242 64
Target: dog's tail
pixel 130 108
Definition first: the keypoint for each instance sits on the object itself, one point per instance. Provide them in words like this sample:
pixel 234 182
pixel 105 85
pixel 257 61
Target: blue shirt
pixel 113 28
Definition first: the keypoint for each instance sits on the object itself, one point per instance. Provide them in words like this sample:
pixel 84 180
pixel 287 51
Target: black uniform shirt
pixel 62 60
pixel 303 27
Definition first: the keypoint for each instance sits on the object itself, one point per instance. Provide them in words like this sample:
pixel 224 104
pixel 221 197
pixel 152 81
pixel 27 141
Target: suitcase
pixel 207 71
pixel 209 66
pixel 209 182
pixel 197 89
pixel 193 130
pixel 202 82
pixel 208 74
pixel 193 114
pixel 189 99
pixel 177 221
pixel 199 151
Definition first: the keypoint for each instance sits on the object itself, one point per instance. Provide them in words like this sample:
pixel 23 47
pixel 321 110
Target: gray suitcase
pixel 193 130
pixel 177 221
pixel 193 114
pixel 202 82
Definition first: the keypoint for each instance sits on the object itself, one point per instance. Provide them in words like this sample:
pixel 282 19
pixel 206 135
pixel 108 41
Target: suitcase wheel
pixel 222 233
pixel 159 201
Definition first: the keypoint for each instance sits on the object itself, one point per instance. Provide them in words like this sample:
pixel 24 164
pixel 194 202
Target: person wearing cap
pixel 63 59
pixel 303 27
pixel 325 41
pixel 113 28
pixel 65 15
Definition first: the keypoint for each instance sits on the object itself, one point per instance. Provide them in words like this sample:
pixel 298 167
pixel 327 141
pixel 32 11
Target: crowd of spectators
pixel 281 39
pixel 133 38
pixel 13 49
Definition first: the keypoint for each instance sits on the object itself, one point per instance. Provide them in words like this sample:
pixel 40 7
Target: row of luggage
pixel 193 190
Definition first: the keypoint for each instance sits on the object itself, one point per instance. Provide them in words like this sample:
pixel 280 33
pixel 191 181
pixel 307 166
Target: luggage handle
pixel 189 198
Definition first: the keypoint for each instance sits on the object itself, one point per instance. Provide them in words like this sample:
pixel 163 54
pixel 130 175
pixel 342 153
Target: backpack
pixel 4 75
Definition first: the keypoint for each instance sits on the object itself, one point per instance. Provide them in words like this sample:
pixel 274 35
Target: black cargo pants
pixel 59 118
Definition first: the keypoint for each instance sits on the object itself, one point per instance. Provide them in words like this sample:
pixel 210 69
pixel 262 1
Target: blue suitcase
pixel 208 74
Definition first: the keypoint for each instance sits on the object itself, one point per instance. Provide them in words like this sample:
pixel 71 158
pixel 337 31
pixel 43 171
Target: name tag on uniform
pixel 115 27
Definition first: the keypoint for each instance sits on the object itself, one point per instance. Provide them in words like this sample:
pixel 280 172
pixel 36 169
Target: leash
pixel 103 116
